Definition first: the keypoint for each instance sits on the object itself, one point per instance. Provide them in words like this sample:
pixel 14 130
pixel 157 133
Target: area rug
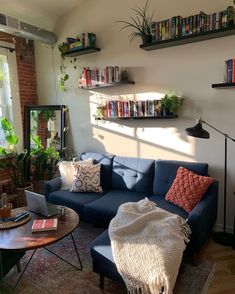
pixel 49 275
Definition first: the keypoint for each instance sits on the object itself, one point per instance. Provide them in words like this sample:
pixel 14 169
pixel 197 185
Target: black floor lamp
pixel 222 238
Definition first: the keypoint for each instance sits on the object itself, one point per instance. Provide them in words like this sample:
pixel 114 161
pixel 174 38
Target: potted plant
pixel 140 24
pixel 16 162
pixel 43 161
pixel 170 104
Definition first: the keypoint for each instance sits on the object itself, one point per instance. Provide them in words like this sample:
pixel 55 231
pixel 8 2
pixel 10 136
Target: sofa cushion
pixel 133 174
pixel 164 204
pixel 75 201
pixel 165 173
pixel 86 178
pixel 188 188
pixel 66 170
pixel 102 210
pixel 106 166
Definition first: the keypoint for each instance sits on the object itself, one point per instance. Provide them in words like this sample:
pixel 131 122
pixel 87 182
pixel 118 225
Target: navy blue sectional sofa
pixel 126 179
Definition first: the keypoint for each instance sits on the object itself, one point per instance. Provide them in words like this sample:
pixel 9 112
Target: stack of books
pixel 230 70
pixel 178 26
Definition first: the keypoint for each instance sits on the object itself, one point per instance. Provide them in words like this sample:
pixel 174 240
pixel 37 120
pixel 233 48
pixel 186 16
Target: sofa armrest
pixel 52 185
pixel 202 218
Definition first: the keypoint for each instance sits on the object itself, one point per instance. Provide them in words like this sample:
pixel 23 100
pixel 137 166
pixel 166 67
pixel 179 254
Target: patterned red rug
pixel 49 275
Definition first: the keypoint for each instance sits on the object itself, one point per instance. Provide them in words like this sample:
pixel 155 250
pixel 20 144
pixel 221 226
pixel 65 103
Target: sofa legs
pixel 101 282
pixel 18 266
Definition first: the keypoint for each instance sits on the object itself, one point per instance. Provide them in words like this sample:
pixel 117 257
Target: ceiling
pixel 41 13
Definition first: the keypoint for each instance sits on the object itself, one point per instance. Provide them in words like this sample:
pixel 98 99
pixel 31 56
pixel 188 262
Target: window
pixel 5 91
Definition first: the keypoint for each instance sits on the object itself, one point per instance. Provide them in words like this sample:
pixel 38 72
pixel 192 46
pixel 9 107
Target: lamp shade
pixel 198 131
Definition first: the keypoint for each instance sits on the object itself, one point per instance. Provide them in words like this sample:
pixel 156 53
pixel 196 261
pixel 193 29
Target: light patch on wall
pixel 166 137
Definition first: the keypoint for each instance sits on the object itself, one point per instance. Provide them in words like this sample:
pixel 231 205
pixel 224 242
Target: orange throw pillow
pixel 187 189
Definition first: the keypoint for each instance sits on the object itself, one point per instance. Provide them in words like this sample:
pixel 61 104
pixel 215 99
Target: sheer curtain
pixel 5 91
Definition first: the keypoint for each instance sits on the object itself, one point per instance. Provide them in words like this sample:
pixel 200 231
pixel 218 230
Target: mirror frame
pixel 27 127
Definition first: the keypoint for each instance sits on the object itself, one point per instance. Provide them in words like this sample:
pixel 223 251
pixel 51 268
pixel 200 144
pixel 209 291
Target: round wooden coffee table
pixel 23 239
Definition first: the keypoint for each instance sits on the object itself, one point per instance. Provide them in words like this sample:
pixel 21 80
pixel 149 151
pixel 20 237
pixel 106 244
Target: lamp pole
pixel 223 237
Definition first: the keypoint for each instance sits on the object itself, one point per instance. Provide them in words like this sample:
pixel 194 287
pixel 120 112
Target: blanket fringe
pixel 150 289
pixel 185 229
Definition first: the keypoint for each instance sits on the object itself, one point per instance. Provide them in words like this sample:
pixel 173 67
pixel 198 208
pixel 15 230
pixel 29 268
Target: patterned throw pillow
pixel 67 171
pixel 86 178
pixel 187 189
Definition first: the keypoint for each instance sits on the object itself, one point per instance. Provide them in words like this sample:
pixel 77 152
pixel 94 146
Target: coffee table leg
pixel 1 270
pixel 75 247
pixel 20 276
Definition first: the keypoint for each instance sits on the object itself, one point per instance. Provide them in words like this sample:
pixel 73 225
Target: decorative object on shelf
pixel 5 208
pixel 131 109
pixel 98 78
pixel 140 24
pixel 223 237
pixel 177 30
pixel 170 104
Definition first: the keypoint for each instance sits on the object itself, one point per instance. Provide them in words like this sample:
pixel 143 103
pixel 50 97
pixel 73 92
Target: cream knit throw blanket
pixel 147 245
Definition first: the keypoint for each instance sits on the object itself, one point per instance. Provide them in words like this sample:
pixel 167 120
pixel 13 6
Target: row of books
pixel 177 26
pixel 96 77
pixel 230 70
pixel 130 108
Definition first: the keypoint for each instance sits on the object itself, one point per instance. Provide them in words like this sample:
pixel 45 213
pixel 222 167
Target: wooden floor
pixel 224 259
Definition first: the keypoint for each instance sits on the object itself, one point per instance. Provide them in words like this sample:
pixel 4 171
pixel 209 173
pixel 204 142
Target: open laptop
pixel 37 203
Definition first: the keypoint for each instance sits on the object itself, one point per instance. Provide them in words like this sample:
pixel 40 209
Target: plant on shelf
pixel 170 104
pixel 140 24
pixel 15 162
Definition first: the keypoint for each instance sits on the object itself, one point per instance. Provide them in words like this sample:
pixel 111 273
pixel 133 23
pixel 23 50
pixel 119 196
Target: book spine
pixel 233 70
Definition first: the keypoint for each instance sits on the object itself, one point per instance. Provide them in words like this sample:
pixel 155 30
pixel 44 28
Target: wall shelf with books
pixel 219 33
pixel 133 109
pixel 107 85
pixel 81 51
pixel 223 85
pixel 170 116
pixel 109 76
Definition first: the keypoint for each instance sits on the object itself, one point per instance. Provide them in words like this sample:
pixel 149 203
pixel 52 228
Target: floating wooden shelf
pixel 122 83
pixel 82 51
pixel 138 117
pixel 189 39
pixel 223 85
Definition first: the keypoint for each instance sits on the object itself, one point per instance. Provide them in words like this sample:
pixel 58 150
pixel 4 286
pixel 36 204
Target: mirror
pixel 47 121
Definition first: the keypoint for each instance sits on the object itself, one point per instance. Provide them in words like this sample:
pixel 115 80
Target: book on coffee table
pixel 40 225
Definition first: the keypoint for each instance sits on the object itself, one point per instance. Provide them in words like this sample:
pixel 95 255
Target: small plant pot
pixel 5 211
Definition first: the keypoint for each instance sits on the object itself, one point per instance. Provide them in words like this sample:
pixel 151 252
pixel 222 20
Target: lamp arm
pixel 224 134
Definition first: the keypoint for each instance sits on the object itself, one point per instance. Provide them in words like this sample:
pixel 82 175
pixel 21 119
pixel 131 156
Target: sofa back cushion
pixel 133 174
pixel 106 161
pixel 165 173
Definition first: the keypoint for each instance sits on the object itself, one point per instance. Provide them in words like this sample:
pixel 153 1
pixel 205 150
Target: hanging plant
pixel 63 77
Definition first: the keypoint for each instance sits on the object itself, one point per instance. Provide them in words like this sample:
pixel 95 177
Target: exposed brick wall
pixel 26 69
pixel 26 73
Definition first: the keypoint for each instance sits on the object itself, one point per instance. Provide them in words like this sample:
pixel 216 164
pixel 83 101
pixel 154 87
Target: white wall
pixel 187 70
